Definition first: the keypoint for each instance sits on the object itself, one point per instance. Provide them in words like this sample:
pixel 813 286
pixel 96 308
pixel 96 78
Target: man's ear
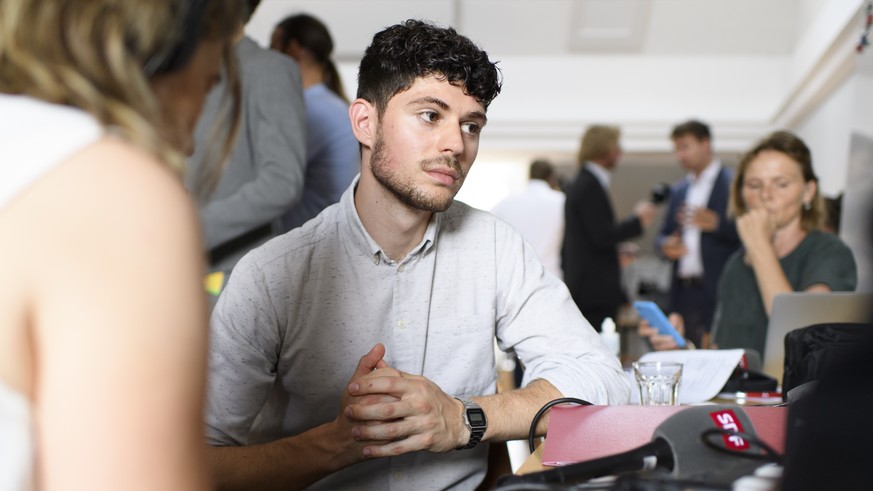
pixel 363 117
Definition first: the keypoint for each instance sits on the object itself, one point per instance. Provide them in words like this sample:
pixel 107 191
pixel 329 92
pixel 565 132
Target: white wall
pixel 827 132
pixel 863 121
pixel 839 132
pixel 843 108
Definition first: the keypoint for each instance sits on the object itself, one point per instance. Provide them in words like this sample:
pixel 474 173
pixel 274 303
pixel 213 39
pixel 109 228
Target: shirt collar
pixel 602 174
pixel 709 173
pixel 365 242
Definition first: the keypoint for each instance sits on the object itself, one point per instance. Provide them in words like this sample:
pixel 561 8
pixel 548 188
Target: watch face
pixel 476 417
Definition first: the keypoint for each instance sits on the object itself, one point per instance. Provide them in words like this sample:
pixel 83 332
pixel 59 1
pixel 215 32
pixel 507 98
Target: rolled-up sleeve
pixel 243 356
pixel 539 321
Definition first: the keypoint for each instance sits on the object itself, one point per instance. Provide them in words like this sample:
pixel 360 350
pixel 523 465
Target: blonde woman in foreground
pixel 103 328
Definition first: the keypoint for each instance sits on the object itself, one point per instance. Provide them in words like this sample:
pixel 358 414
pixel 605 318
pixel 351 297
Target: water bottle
pixel 610 337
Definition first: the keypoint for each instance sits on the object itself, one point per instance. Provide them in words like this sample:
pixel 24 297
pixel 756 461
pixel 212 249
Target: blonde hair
pixel 598 141
pixel 91 55
pixel 222 18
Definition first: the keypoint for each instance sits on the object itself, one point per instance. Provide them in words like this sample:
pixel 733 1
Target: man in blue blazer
pixel 589 255
pixel 697 234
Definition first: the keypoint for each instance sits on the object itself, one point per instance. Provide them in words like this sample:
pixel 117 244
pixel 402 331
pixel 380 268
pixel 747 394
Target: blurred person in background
pixel 264 177
pixel 780 216
pixel 697 234
pixel 589 254
pixel 537 212
pixel 332 154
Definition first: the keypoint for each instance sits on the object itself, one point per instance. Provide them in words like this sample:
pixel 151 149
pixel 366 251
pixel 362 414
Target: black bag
pixel 810 350
pixel 742 380
pixel 829 431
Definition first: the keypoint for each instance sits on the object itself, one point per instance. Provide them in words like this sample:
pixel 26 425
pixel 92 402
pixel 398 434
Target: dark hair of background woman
pixel 312 35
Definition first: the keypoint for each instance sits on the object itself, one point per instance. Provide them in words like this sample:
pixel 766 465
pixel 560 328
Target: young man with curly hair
pixel 356 352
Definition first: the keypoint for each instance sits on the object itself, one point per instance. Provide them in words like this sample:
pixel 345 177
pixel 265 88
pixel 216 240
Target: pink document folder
pixel 580 433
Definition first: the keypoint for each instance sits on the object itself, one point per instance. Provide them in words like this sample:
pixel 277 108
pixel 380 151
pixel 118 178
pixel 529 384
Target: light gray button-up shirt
pixel 300 311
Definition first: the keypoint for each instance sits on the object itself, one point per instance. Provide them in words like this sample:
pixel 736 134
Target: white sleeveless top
pixel 34 138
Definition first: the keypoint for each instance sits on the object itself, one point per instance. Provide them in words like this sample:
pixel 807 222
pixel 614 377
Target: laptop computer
pixel 801 309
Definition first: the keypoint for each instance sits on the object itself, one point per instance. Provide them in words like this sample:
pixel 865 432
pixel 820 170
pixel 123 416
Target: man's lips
pixel 444 174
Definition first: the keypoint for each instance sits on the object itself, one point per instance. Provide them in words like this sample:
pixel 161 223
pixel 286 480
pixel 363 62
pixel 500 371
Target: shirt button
pixel 400 268
pixel 401 324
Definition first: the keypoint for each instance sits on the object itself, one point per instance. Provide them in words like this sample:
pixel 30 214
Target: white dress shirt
pixel 538 214
pixel 603 175
pixel 691 264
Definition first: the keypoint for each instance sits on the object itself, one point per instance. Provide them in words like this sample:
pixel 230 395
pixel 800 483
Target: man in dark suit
pixel 697 234
pixel 589 255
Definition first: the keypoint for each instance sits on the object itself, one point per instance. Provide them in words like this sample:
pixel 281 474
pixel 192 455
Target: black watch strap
pixel 474 418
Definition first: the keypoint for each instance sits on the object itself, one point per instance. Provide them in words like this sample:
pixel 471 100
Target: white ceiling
pixel 742 65
pixel 567 27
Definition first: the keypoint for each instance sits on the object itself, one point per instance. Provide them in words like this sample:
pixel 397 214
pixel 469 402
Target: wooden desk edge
pixel 534 463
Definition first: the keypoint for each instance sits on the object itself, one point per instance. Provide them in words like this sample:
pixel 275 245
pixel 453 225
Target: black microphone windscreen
pixel 660 193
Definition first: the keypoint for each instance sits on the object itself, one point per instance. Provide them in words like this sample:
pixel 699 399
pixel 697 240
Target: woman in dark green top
pixel 780 213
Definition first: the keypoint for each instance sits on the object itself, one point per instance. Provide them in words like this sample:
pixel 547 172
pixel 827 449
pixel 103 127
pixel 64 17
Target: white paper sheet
pixel 704 372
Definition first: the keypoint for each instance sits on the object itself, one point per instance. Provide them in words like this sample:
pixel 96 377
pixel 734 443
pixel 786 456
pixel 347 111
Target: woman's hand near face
pixel 756 228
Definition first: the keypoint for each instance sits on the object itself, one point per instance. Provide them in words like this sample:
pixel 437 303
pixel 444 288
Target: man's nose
pixel 452 141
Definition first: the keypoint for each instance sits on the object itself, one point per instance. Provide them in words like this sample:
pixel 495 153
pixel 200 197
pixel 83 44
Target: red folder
pixel 580 433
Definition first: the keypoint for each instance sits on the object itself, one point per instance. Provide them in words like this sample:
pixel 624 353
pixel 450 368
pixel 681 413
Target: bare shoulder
pixel 110 191
pixel 117 273
pixel 132 193
pixel 111 207
pixel 121 170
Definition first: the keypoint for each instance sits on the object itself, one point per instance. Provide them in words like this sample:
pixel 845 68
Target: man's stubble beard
pixel 407 192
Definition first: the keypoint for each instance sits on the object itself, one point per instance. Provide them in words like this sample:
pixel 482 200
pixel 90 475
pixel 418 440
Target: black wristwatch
pixel 474 418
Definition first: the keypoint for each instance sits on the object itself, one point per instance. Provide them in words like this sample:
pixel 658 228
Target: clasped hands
pixel 386 412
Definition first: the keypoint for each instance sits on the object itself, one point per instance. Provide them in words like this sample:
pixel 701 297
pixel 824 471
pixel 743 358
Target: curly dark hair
pixel 412 49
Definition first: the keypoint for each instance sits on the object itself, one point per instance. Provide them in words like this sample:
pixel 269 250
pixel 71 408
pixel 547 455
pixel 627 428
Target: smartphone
pixel 653 314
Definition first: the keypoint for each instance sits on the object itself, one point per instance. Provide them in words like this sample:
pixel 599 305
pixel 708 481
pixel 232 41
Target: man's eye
pixel 429 116
pixel 471 128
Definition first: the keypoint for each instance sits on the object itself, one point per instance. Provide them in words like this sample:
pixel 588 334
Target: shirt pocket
pixel 460 354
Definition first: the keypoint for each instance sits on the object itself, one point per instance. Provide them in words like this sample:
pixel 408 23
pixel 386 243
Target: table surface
pixel 534 463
